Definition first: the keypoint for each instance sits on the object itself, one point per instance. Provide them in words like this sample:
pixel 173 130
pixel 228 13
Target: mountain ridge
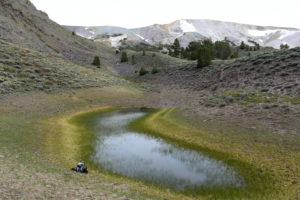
pixel 187 30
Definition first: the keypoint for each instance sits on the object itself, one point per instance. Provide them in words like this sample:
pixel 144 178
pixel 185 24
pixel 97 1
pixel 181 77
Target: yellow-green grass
pixel 36 130
pixel 78 140
pixel 29 122
pixel 261 181
pixel 268 168
pixel 76 137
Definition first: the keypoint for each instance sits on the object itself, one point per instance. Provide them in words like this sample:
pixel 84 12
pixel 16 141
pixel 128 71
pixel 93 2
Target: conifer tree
pixel 176 48
pixel 284 46
pixel 133 60
pixel 183 53
pixel 96 61
pixel 223 50
pixel 257 46
pixel 192 50
pixel 205 53
pixel 124 57
pixel 242 46
pixel 143 71
pixel 235 55
pixel 204 58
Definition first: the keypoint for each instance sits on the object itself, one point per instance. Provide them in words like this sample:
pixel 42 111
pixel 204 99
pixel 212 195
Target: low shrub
pixel 155 70
pixel 143 71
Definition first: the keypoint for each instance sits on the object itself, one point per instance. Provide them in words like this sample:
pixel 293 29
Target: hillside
pixel 257 87
pixel 244 112
pixel 193 30
pixel 23 69
pixel 276 72
pixel 22 24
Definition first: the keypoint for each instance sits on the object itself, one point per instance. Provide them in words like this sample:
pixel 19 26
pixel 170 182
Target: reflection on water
pixel 152 159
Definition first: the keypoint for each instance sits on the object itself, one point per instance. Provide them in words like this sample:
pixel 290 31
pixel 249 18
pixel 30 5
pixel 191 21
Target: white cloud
pixel 137 13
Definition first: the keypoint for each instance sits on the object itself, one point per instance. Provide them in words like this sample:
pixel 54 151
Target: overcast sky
pixel 138 13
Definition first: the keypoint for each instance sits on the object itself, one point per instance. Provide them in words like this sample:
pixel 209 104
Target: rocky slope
pixel 191 30
pixel 22 24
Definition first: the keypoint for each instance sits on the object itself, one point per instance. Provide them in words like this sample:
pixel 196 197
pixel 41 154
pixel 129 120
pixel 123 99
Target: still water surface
pixel 152 159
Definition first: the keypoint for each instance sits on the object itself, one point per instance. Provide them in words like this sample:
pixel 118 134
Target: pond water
pixel 140 156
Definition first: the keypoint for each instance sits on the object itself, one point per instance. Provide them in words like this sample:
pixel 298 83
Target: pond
pixel 144 157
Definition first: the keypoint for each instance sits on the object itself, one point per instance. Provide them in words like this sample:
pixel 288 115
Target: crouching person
pixel 81 168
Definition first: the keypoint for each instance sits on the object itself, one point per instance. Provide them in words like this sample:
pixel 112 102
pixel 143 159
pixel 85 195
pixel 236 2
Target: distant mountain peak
pixel 187 30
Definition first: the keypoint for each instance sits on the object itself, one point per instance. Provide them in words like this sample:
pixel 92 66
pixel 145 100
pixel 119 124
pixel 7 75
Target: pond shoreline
pixel 32 122
pixel 257 183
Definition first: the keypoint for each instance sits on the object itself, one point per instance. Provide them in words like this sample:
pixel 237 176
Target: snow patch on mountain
pixel 187 27
pixel 261 33
pixel 140 36
pixel 146 40
pixel 115 41
pixel 84 35
pixel 286 33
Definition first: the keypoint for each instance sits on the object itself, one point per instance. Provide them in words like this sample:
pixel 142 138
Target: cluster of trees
pixel 203 51
pixel 246 47
pixel 143 71
pixel 124 58
pixel 284 46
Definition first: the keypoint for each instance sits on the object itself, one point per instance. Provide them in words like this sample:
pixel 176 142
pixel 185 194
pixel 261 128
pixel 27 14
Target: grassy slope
pixel 23 69
pixel 30 133
pixel 29 170
pixel 262 154
pixel 274 72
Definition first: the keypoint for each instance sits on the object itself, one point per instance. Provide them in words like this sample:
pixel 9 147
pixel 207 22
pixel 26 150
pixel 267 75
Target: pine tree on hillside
pixel 192 50
pixel 223 50
pixel 284 46
pixel 96 61
pixel 183 54
pixel 242 46
pixel 124 57
pixel 133 60
pixel 206 53
pixel 204 57
pixel 176 48
pixel 235 55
